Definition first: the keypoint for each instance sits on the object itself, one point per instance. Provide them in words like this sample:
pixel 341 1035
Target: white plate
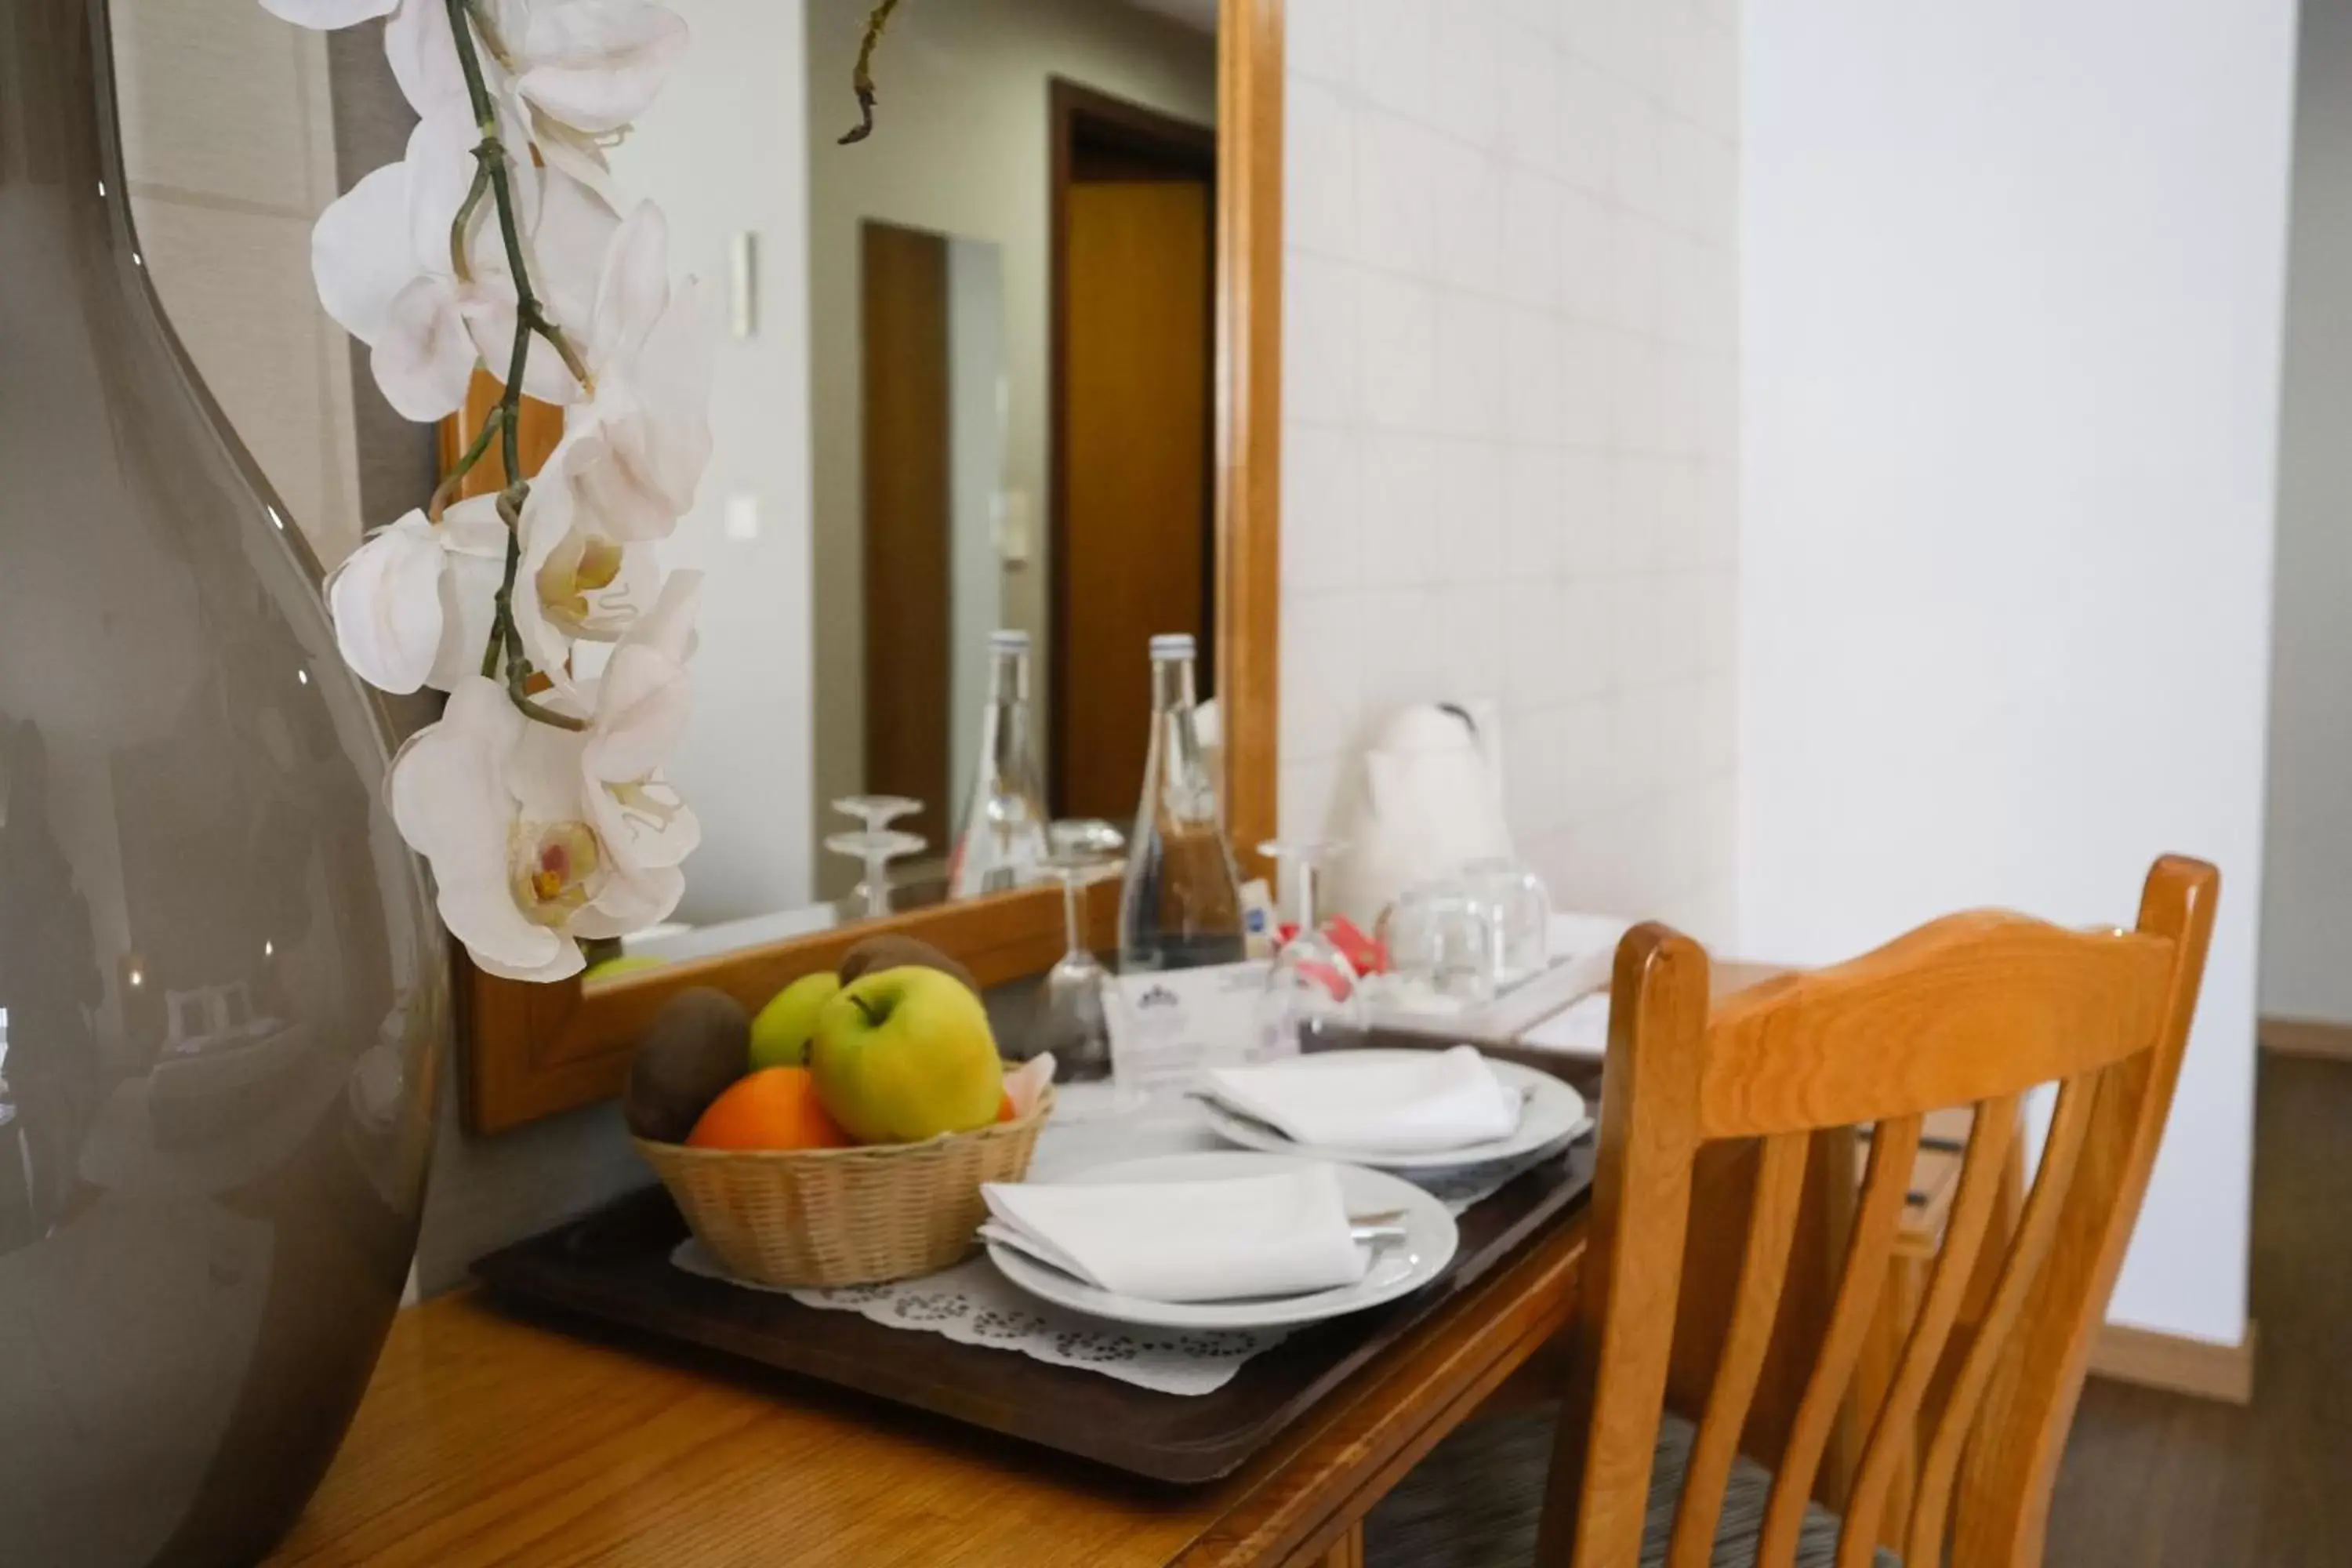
pixel 1554 1113
pixel 1397 1269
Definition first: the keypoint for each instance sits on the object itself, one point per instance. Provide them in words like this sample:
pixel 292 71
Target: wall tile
pixel 1396 193
pixel 1467 44
pixel 1398 349
pixel 1319 41
pixel 1320 674
pixel 1321 348
pixel 1535 508
pixel 1530 269
pixel 1529 79
pixel 1319 208
pixel 1467 213
pixel 1392 47
pixel 1323 531
pixel 1469 362
pixel 1402 534
pixel 1514 432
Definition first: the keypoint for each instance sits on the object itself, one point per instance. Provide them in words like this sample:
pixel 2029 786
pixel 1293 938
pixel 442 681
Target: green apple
pixel 780 1034
pixel 906 1054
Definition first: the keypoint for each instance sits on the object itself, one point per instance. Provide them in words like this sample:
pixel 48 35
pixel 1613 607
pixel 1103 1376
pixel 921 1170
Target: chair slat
pixel 1891 1434
pixel 1893 1148
pixel 1943 1016
pixel 2060 1153
pixel 1763 1268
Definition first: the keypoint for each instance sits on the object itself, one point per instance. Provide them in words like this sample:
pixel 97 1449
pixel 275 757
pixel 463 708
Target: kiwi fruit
pixel 891 951
pixel 698 1045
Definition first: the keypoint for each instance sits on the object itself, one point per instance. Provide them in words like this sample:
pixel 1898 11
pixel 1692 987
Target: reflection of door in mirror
pixel 938 292
pixel 1134 271
pixel 909 497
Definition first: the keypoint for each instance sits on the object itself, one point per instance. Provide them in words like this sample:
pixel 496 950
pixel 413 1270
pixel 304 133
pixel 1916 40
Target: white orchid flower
pixel 584 584
pixel 563 249
pixel 507 888
pixel 381 257
pixel 500 807
pixel 596 65
pixel 423 52
pixel 650 353
pixel 413 605
pixel 642 703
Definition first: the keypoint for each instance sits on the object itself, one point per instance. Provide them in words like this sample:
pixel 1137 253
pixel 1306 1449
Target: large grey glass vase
pixel 222 995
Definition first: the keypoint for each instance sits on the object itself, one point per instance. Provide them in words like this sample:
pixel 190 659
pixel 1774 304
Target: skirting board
pixel 2177 1364
pixel 2306 1037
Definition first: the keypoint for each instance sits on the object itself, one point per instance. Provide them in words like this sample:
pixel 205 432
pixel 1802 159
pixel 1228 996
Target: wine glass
pixel 1441 939
pixel 1078 999
pixel 877 844
pixel 1311 984
pixel 1520 908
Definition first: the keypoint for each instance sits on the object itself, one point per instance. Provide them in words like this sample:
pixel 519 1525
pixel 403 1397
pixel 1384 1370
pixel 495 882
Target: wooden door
pixel 906 615
pixel 1132 556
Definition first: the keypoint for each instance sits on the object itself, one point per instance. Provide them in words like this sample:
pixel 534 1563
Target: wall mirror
pixel 997 400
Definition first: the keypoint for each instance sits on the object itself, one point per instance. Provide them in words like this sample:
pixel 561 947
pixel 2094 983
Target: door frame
pixel 1076 111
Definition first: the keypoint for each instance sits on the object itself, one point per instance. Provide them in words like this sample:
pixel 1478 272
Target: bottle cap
pixel 1008 640
pixel 1173 644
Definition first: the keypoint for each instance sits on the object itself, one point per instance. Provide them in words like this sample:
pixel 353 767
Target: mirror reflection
pixel 964 431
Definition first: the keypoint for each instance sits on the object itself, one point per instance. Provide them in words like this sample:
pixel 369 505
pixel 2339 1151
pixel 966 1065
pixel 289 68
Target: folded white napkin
pixel 1440 1100
pixel 1279 1234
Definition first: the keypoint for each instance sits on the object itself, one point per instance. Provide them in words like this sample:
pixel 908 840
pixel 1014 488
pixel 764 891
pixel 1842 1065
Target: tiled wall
pixel 228 140
pixel 1511 429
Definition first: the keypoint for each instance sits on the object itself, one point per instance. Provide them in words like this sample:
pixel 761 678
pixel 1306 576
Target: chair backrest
pixel 1973 1010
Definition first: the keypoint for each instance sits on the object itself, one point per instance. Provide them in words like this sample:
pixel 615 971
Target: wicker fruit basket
pixel 812 1218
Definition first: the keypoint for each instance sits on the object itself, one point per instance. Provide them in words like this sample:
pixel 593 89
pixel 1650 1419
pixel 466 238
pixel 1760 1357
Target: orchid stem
pixel 861 76
pixel 505 419
pixel 455 478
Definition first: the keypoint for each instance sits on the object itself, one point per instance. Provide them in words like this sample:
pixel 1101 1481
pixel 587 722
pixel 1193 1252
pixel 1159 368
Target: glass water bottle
pixel 1180 907
pixel 1003 843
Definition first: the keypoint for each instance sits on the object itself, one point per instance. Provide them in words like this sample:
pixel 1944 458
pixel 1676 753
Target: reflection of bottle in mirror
pixel 1182 906
pixel 1003 843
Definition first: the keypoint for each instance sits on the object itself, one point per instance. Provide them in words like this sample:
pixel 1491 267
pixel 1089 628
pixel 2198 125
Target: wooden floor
pixel 2155 1478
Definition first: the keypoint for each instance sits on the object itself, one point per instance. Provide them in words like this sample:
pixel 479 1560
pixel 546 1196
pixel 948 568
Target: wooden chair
pixel 1975 1009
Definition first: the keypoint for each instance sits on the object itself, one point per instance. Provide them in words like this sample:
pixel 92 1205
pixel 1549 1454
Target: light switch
pixel 742 518
pixel 1013 527
pixel 743 286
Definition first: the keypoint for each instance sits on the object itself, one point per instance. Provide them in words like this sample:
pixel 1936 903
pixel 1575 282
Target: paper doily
pixel 972 1304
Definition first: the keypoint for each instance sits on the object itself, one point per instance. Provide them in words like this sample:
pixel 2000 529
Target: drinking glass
pixel 1310 984
pixel 1441 939
pixel 1520 908
pixel 1077 1007
pixel 877 845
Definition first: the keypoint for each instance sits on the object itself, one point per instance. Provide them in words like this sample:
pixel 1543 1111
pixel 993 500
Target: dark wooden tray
pixel 613 1266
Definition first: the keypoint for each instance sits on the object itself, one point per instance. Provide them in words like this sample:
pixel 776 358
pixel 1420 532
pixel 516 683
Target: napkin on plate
pixel 1439 1100
pixel 1284 1234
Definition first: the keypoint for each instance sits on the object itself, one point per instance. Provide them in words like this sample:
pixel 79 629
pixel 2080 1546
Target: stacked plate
pixel 1405 1110
pixel 1325 1209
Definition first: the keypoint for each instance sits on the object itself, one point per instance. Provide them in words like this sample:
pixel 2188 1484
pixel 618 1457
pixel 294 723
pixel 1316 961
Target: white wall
pixel 2013 293
pixel 724 153
pixel 2307 851
pixel 1510 442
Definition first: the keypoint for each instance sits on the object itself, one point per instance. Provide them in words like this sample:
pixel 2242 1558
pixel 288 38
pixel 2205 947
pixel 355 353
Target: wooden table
pixel 488 1439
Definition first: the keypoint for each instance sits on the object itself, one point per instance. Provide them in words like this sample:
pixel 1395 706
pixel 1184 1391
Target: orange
pixel 1004 1111
pixel 775 1107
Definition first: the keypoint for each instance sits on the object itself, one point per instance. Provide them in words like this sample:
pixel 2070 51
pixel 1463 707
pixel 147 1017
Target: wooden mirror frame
pixel 533 1050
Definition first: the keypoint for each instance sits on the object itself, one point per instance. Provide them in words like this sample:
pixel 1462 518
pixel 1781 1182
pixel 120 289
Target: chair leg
pixel 1348 1552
